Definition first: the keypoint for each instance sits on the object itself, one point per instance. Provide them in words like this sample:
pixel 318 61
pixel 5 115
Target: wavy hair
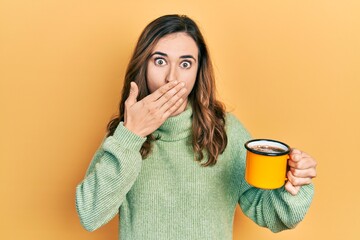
pixel 208 122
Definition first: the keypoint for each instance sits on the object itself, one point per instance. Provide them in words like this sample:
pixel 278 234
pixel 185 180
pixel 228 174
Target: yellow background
pixel 288 69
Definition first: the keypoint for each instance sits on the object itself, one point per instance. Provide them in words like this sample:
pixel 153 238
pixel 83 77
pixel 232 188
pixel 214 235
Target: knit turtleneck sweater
pixel 169 195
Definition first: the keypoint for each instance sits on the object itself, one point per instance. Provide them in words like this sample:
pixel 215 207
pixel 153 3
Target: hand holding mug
pixel 145 116
pixel 302 169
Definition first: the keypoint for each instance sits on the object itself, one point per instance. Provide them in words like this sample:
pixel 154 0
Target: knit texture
pixel 169 195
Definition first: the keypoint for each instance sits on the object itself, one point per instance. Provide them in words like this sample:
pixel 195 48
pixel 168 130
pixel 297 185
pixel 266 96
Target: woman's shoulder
pixel 234 127
pixel 231 120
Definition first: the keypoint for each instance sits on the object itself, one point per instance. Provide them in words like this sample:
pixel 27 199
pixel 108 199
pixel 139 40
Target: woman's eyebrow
pixel 159 53
pixel 188 56
pixel 165 55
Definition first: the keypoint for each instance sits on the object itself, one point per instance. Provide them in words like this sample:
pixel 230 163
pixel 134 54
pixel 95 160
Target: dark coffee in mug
pixel 267 149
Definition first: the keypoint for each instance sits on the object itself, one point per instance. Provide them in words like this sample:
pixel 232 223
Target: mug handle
pixel 287 167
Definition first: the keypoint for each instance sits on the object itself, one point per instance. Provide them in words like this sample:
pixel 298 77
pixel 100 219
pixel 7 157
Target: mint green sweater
pixel 170 196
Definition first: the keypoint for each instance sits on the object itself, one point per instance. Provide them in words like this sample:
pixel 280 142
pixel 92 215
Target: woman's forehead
pixel 176 43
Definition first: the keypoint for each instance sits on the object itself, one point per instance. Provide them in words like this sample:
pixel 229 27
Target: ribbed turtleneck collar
pixel 176 127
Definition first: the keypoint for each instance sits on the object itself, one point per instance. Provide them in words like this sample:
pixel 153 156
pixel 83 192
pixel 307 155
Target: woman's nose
pixel 171 75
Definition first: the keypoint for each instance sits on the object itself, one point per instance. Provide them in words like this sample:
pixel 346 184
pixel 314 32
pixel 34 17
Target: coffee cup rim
pixel 267 153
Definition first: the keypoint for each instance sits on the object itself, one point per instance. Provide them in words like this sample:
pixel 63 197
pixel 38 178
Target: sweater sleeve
pixel 274 209
pixel 111 174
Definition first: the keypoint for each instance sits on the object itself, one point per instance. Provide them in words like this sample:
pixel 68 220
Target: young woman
pixel 173 161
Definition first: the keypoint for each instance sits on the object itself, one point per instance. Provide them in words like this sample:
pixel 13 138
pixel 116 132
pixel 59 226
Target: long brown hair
pixel 208 123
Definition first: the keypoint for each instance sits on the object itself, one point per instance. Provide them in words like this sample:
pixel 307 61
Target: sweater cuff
pixel 303 197
pixel 128 139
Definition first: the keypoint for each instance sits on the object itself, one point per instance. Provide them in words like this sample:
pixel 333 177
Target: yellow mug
pixel 266 163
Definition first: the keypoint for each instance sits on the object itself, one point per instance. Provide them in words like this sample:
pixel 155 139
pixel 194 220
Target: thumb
pixel 295 155
pixel 134 92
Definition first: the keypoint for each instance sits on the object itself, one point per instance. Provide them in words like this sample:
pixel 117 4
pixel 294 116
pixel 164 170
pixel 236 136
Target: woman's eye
pixel 160 62
pixel 185 64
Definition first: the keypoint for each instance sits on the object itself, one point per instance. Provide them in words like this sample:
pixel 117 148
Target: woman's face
pixel 174 57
